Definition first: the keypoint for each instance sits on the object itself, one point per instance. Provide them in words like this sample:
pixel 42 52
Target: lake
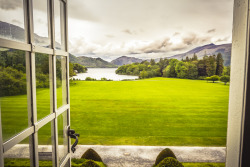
pixel 99 73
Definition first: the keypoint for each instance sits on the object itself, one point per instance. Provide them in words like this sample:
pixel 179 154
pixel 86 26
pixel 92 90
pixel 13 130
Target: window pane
pixel 62 135
pixel 40 16
pixel 42 85
pixel 13 94
pixel 61 80
pixel 58 36
pixel 12 20
pixel 45 145
pixel 18 155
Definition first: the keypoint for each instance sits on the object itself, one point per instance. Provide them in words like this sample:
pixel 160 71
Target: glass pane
pixel 13 94
pixel 45 145
pixel 58 36
pixel 62 135
pixel 42 85
pixel 19 155
pixel 40 16
pixel 12 20
pixel 61 72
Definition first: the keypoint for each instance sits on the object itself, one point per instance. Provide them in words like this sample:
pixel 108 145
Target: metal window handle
pixel 72 134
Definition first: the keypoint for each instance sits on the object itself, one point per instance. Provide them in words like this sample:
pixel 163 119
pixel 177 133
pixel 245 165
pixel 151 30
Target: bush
pixel 164 154
pixel 90 79
pixel 89 163
pixel 92 155
pixel 225 79
pixel 103 79
pixel 215 78
pixel 169 162
pixel 208 79
pixel 12 82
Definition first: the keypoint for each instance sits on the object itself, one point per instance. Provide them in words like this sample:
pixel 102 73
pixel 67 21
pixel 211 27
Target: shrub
pixel 164 154
pixel 169 162
pixel 92 155
pixel 215 78
pixel 225 79
pixel 12 82
pixel 89 163
pixel 103 79
pixel 90 79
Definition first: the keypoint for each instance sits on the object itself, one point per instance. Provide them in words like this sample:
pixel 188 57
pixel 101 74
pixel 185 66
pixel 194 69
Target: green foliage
pixel 225 79
pixel 208 79
pixel 169 71
pixel 219 64
pixel 164 154
pixel 144 74
pixel 215 78
pixel 12 82
pixel 79 68
pixel 169 162
pixel 71 70
pixel 210 65
pixel 103 79
pixel 226 70
pixel 143 69
pixel 90 79
pixel 42 80
pixel 91 155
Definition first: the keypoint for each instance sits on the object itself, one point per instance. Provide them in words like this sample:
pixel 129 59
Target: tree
pixel 143 74
pixel 226 70
pixel 152 62
pixel 79 68
pixel 170 70
pixel 181 69
pixel 71 70
pixel 210 65
pixel 163 63
pixel 215 78
pixel 195 57
pixel 192 70
pixel 225 79
pixel 219 64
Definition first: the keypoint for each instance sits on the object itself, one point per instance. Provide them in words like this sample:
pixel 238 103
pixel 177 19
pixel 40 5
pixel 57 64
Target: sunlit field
pixel 156 111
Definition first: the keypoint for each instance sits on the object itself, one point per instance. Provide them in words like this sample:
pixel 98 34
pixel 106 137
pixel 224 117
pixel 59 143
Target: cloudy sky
pixel 138 28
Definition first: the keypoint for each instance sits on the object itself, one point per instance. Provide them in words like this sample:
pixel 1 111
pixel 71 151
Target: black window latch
pixel 72 134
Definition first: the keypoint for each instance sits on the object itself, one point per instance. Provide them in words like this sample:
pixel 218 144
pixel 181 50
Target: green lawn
pixel 157 111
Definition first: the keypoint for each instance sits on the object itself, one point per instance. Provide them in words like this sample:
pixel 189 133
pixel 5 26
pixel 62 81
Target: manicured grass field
pixel 157 111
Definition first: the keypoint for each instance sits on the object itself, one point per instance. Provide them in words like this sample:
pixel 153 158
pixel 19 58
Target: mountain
pixel 13 32
pixel 211 49
pixel 125 60
pixel 90 62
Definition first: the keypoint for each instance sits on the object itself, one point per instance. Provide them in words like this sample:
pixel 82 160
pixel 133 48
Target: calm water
pixel 99 73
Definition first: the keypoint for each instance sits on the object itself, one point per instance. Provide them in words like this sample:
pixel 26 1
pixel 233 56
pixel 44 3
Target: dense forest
pixel 13 71
pixel 190 68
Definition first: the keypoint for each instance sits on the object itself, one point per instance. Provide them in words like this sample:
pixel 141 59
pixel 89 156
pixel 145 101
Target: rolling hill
pixel 211 49
pixel 125 60
pixel 91 62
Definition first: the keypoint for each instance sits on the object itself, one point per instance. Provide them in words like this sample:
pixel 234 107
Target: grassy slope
pixel 157 111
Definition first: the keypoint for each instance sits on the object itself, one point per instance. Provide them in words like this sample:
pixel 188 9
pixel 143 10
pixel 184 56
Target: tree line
pixel 13 71
pixel 189 68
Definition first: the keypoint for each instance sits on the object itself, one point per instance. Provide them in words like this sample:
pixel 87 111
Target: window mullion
pixel 54 132
pixel 31 82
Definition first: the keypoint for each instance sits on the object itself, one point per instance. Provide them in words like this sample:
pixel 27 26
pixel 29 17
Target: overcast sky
pixel 138 28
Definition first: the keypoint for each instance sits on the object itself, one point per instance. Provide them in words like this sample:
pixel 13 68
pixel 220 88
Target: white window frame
pixel 30 49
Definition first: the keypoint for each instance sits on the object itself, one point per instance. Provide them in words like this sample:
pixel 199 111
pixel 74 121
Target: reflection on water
pixel 99 73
